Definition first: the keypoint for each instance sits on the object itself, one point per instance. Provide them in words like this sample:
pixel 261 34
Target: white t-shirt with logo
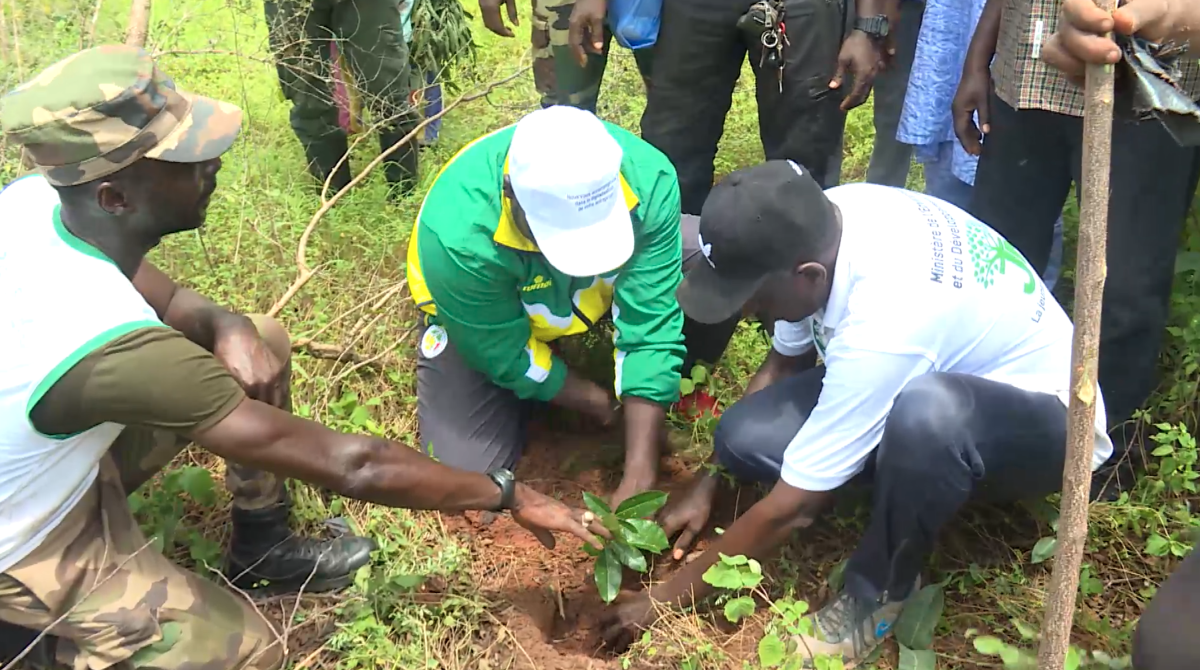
pixel 919 286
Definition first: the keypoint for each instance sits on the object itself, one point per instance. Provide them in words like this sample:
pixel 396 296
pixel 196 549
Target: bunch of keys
pixel 774 38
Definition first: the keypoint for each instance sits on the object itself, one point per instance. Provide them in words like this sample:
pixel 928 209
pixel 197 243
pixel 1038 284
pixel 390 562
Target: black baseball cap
pixel 755 222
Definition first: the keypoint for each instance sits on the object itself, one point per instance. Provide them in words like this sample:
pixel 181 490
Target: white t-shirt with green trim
pixel 62 299
pixel 919 286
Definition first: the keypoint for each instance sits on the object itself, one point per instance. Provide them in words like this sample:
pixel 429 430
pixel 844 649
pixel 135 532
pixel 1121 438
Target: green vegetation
pixel 436 597
pixel 632 533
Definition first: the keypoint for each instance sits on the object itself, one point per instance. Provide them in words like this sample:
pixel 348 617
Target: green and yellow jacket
pixel 475 274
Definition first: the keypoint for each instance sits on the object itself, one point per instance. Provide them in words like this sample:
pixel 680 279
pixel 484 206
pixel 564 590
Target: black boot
pixel 265 556
pixel 323 156
pixel 400 168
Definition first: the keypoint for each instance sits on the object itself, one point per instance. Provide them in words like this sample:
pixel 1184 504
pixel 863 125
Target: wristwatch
pixel 874 26
pixel 507 482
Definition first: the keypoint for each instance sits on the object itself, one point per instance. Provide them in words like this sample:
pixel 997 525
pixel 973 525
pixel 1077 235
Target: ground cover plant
pixel 475 590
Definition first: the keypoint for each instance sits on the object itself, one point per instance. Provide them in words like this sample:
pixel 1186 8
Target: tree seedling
pixel 632 533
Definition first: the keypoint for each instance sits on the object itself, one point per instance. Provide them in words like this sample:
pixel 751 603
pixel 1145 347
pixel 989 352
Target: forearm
pixel 869 8
pixel 200 319
pixel 777 367
pixel 987 32
pixel 585 396
pixel 754 535
pixel 644 422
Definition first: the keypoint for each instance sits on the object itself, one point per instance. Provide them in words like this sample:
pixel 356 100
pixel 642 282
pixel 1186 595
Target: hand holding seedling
pixel 688 514
pixel 541 514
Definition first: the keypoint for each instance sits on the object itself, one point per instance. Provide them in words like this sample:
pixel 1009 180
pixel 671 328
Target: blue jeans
pixel 948 438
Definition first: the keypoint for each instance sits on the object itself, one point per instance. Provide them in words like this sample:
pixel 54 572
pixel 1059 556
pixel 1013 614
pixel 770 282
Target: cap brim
pixel 208 130
pixel 586 252
pixel 710 298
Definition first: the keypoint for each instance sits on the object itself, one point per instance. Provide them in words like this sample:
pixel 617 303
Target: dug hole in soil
pixel 548 598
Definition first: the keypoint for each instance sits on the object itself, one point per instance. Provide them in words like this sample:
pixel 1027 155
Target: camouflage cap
pixel 102 109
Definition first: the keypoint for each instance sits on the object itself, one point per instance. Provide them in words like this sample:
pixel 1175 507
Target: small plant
pixel 1014 657
pixel 632 533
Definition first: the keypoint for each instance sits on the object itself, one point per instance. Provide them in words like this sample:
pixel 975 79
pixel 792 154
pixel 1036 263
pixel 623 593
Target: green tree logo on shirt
pixel 992 255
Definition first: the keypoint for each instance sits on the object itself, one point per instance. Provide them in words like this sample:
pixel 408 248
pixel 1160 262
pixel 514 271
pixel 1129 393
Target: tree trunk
pixel 139 24
pixel 1089 290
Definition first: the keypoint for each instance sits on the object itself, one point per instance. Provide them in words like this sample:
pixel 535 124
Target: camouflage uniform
pixel 370 36
pixel 543 57
pixel 573 85
pixel 81 119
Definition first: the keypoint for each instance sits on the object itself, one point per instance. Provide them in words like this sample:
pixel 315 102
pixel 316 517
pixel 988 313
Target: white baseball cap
pixel 565 171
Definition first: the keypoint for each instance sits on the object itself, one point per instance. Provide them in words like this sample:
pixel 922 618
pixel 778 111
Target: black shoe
pixel 400 168
pixel 323 157
pixel 264 555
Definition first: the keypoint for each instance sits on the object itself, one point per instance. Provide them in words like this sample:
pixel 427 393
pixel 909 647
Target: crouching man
pixel 112 369
pixel 945 377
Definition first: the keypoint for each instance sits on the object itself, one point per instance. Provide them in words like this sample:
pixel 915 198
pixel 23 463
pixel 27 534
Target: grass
pixel 429 599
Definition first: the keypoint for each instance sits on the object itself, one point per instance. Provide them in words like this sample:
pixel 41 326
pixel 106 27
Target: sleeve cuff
pixel 813 482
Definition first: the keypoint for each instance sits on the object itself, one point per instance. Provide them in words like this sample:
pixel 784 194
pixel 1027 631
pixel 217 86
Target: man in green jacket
pixel 522 240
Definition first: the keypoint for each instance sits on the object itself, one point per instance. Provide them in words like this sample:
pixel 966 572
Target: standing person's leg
pixel 543 56
pixel 378 55
pixel 155 615
pixel 948 437
pixel 1147 208
pixel 891 159
pixel 300 34
pixel 465 420
pixel 1024 177
pixel 575 85
pixel 801 122
pixel 697 60
pixel 1163 637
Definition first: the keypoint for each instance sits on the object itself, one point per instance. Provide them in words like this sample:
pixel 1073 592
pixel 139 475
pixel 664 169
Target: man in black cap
pixel 945 376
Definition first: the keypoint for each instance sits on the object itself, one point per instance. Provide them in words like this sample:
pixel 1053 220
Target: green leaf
pixel 608 574
pixel 837 577
pixel 596 505
pixel 590 550
pixel 699 374
pixel 1165 450
pixel 1027 631
pixel 988 644
pixel 920 616
pixel 912 659
pixel 1158 545
pixel 1044 549
pixel 197 482
pixel 1072 662
pixel 629 557
pixel 647 535
pixel 771 651
pixel 739 608
pixel 686 387
pixel 642 505
pixel 733 560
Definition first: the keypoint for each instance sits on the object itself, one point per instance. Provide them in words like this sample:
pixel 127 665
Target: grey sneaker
pixel 849 628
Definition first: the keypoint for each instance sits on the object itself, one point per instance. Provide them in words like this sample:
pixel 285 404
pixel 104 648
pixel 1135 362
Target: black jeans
pixel 1163 638
pixel 697 61
pixel 948 438
pixel 1028 163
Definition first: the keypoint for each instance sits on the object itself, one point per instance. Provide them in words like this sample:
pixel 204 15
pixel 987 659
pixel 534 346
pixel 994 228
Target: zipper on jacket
pixel 579 313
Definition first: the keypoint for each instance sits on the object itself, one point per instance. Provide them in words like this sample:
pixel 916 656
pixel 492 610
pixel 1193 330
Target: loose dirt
pixel 547 597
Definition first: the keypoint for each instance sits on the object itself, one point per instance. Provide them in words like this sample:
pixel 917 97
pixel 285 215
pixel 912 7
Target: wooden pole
pixel 1090 270
pixel 139 24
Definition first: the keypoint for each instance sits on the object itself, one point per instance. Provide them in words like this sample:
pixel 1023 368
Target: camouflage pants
pixel 557 74
pixel 371 38
pixel 127 603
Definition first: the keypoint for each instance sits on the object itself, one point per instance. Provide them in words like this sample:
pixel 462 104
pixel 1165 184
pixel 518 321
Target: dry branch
pixel 1081 412
pixel 304 271
pixel 139 24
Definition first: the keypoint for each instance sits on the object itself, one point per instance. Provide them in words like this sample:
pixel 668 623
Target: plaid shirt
pixel 1025 82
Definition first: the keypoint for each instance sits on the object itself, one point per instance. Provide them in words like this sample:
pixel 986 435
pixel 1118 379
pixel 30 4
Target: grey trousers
pixel 468 422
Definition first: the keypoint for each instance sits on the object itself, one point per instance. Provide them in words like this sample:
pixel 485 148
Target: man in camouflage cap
pixel 119 368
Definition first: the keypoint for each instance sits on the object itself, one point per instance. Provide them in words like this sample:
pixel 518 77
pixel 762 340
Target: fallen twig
pixel 304 271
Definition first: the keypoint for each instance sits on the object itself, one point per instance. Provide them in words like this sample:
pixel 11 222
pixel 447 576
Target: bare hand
pixel 631 485
pixel 493 21
pixel 688 514
pixel 541 514
pixel 248 358
pixel 587 29
pixel 631 614
pixel 862 57
pixel 1083 29
pixel 973 96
